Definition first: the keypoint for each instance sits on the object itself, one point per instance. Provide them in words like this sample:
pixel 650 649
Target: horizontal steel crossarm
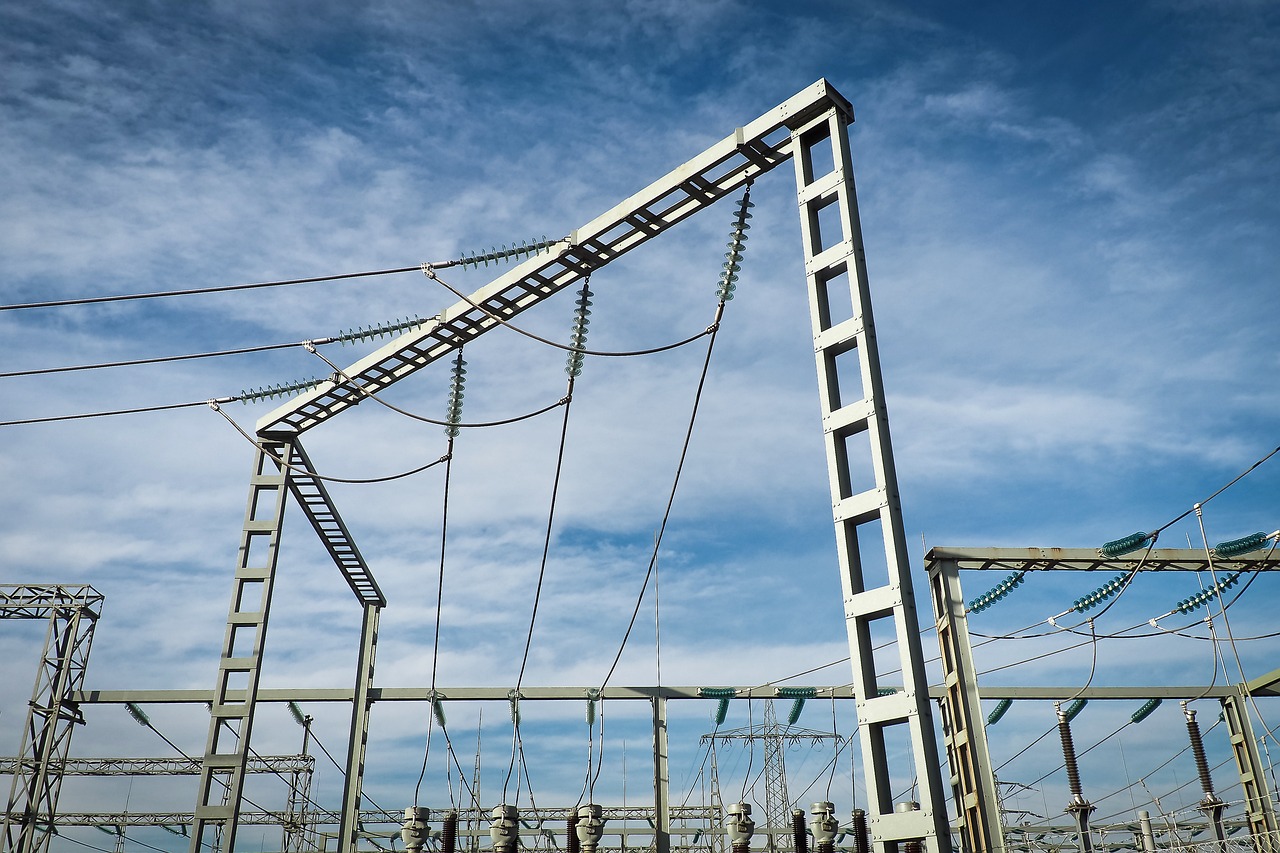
pixel 718 171
pixel 40 601
pixel 168 766
pixel 423 694
pixel 309 491
pixel 501 694
pixel 368 817
pixel 1089 560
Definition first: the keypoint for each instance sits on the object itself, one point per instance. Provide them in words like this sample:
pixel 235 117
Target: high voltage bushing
pixel 1211 805
pixel 824 826
pixel 571 832
pixel 739 826
pixel 861 840
pixel 414 830
pixel 1079 808
pixel 449 834
pixel 504 828
pixel 1197 749
pixel 590 827
pixel 799 834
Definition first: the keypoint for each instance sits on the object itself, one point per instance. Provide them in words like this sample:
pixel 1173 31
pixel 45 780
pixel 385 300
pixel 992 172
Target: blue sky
pixel 1069 217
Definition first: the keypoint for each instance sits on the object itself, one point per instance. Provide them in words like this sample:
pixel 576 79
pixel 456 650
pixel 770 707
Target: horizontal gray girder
pixel 1089 560
pixel 502 694
pixel 699 183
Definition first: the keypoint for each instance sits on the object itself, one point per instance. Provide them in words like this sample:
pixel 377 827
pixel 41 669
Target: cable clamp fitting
pixel 213 404
pixel 309 346
pixel 428 270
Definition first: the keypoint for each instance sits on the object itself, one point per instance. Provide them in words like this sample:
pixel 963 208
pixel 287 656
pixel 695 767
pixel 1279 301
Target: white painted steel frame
pixel 788 130
pixel 835 267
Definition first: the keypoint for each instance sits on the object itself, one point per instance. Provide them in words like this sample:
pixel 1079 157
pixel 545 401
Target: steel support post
pixel 661 778
pixel 1259 811
pixel 52 713
pixel 347 838
pixel 973 782
pixel 226 752
pixel 864 492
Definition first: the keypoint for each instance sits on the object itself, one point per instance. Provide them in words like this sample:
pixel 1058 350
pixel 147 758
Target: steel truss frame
pixel 814 120
pixel 964 727
pixel 72 612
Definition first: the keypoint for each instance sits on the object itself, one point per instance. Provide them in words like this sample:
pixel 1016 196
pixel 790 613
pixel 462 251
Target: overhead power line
pixel 516 252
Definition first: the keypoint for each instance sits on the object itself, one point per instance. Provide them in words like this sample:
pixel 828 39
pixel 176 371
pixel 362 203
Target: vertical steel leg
pixel 864 492
pixel 964 731
pixel 359 731
pixel 1259 811
pixel 661 778
pixel 231 715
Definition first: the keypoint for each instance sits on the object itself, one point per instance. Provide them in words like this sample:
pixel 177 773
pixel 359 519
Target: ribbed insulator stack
pixel 861 840
pixel 578 337
pixel 449 834
pixel 733 257
pixel 458 380
pixel 799 833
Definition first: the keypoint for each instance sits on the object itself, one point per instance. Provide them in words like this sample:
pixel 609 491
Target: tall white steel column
pixel 895 723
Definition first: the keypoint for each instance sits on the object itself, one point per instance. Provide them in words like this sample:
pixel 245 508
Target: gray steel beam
pixel 353 782
pixel 724 167
pixel 973 781
pixel 661 778
pixel 168 766
pixel 1259 810
pixel 1089 560
pixel 499 694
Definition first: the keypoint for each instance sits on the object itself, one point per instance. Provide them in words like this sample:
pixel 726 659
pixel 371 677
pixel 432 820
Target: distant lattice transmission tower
pixel 777 802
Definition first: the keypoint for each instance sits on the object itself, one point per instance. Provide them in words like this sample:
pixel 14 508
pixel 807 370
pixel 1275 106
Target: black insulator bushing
pixel 861 843
pixel 741 847
pixel 571 834
pixel 1069 757
pixel 798 831
pixel 449 833
pixel 1197 749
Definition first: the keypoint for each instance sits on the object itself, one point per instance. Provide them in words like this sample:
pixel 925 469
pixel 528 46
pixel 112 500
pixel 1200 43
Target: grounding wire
pixel 146 723
pixel 298 470
pixel 156 360
pixel 537 594
pixel 198 291
pixel 346 379
pixel 435 642
pixel 666 515
pixel 429 271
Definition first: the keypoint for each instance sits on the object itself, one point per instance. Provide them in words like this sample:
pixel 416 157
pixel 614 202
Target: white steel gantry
pixel 814 120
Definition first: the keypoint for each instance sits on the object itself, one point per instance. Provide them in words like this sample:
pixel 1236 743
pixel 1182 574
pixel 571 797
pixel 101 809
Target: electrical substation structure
pixel 894 703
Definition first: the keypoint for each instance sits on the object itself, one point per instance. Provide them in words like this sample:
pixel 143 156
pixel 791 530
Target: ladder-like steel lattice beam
pixel 72 612
pixel 231 713
pixel 749 152
pixel 169 766
pixel 875 573
pixel 310 493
